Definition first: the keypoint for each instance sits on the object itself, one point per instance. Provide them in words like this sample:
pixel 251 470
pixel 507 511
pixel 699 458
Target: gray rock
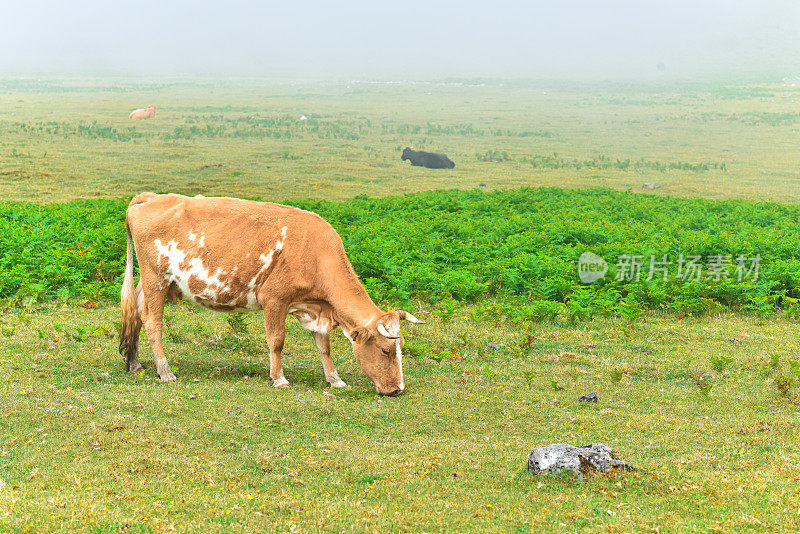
pixel 584 462
pixel 589 397
pixel 493 346
pixel 650 185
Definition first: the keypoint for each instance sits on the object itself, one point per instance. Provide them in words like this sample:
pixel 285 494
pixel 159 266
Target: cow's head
pixel 378 348
pixel 406 153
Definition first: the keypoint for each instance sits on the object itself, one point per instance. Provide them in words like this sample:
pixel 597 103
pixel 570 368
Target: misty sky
pixel 571 39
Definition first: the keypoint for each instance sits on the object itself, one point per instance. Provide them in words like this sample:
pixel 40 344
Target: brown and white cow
pixel 146 113
pixel 232 255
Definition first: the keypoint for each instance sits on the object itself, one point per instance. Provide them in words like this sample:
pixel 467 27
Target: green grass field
pixel 352 141
pixel 222 450
pixel 704 405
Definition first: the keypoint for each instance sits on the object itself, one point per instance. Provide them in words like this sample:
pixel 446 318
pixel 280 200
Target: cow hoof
pixel 280 383
pixel 136 369
pixel 334 380
pixel 169 377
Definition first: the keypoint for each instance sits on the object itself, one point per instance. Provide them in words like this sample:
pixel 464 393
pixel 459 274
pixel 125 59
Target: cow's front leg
pixel 323 342
pixel 276 334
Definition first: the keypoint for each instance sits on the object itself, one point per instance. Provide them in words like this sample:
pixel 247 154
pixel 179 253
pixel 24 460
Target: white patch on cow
pixel 266 259
pixel 318 324
pixel 170 251
pixel 279 244
pixel 402 385
pixel 192 236
pixel 346 333
pixel 181 276
pixel 202 241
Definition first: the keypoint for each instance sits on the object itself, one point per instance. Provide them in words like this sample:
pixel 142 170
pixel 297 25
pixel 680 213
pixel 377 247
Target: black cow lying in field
pixel 430 160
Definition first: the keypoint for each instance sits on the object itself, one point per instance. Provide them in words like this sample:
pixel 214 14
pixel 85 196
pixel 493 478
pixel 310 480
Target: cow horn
pixel 404 315
pixel 385 333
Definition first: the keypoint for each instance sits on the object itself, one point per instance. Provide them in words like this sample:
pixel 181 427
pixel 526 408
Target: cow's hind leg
pixel 154 290
pixel 323 342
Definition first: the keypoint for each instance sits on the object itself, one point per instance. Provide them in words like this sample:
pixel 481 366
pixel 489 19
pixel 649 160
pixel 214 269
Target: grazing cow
pixel 146 113
pixel 430 160
pixel 233 255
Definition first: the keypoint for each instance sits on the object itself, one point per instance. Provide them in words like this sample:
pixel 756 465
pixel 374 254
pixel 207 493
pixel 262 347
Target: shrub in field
pixel 629 309
pixel 581 306
pixel 462 246
pixel 494 156
pixel 783 379
pixel 82 129
pixel 255 126
pixel 237 323
pixel 784 384
pixel 535 311
pixel 604 162
pixel 704 385
pixel 76 247
pixel 719 363
pixel 773 367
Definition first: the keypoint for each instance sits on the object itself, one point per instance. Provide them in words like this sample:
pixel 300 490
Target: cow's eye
pixel 386 351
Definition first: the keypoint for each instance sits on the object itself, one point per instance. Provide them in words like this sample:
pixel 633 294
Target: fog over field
pixel 573 39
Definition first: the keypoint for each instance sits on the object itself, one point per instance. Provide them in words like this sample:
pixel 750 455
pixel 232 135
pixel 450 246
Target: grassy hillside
pixel 701 398
pixel 67 139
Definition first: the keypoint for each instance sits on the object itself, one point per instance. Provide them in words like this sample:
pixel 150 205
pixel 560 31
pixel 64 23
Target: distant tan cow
pixel 146 113
pixel 235 255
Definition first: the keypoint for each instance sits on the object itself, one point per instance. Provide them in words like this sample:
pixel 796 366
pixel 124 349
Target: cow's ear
pixel 360 334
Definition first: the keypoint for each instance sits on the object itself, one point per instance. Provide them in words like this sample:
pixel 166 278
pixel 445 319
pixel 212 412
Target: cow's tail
pixel 131 322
